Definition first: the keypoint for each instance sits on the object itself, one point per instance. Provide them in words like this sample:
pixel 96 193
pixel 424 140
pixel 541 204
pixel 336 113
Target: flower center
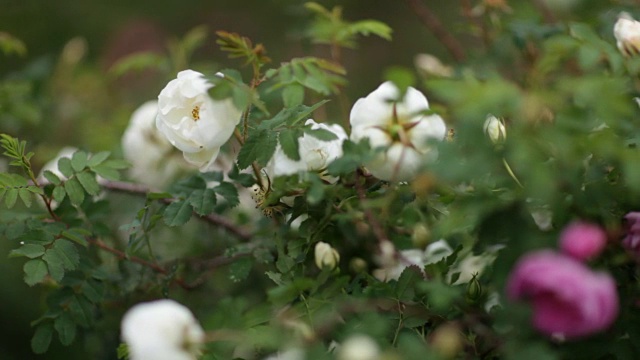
pixel 195 113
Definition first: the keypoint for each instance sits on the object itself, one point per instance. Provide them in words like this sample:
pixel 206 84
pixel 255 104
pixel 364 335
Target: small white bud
pixel 359 347
pixel 326 256
pixel 495 129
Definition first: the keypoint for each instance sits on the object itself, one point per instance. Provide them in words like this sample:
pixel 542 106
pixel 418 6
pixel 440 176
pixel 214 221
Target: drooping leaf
pixel 177 213
pixel 203 201
pixel 259 147
pixel 288 139
pixel 74 190
pixel 34 271
pixel 88 182
pixel 29 250
pixel 42 338
pixel 66 328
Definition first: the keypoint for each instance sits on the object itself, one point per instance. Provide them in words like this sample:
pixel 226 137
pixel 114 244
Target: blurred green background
pixel 61 92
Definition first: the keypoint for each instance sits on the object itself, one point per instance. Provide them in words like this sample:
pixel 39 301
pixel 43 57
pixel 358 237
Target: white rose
pixel 400 127
pixel 627 34
pixel 358 347
pixel 153 159
pixel 326 256
pixel 192 121
pixel 315 154
pixel 161 330
pixel 495 129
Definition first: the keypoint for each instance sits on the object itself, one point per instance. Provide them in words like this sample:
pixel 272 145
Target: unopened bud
pixel 495 129
pixel 359 347
pixel 474 289
pixel 447 340
pixel 326 256
pixel 358 265
pixel 429 65
pixel 421 236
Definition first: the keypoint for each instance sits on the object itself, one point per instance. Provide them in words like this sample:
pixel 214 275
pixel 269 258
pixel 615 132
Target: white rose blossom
pixel 153 159
pixel 627 34
pixel 161 330
pixel 194 122
pixel 400 126
pixel 315 154
pixel 326 256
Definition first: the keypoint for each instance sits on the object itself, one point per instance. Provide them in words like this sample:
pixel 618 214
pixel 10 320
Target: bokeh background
pixel 62 91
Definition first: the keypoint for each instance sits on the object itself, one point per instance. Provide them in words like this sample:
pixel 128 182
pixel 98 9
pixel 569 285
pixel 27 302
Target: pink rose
pixel 632 240
pixel 568 298
pixel 583 240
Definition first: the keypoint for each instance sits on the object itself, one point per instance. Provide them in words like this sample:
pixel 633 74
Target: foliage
pixel 97 245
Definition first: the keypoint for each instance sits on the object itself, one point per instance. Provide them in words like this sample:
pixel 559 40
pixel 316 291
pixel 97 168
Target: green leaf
pixel 51 177
pixel 67 254
pixel 65 167
pixel 66 328
pixel 203 201
pixel 98 158
pixel 79 161
pixel 289 143
pixel 74 190
pixel 177 213
pixel 80 310
pixel 293 95
pixel 59 193
pixel 239 270
pixel 42 338
pixel 229 192
pixel 54 265
pixel 25 196
pixel 118 164
pixel 259 147
pixel 404 287
pixel 35 190
pixel 34 271
pixel 29 250
pixel 93 290
pixel 106 172
pixel 88 182
pixel 123 351
pixel 76 235
pixel 321 134
pixel 10 197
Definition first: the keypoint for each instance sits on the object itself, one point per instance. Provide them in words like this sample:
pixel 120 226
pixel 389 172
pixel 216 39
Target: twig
pixel 547 14
pixel 375 224
pixel 215 219
pixel 434 25
pixel 155 267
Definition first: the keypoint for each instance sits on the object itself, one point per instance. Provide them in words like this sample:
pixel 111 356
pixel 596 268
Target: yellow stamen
pixel 195 113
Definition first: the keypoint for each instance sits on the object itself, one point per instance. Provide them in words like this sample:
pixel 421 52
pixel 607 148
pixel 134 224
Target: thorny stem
pixel 46 199
pixel 467 12
pixel 211 218
pixel 431 22
pixel 375 224
pixel 155 267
